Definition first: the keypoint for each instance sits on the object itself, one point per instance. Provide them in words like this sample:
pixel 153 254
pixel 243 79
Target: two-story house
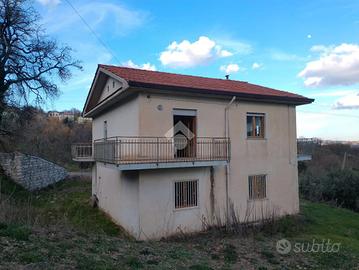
pixel 176 153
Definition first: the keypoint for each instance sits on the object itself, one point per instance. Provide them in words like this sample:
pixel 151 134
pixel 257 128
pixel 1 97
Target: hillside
pixel 57 229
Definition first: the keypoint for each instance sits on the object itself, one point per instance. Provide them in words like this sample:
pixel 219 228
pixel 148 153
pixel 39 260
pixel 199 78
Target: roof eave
pixel 100 69
pixel 246 96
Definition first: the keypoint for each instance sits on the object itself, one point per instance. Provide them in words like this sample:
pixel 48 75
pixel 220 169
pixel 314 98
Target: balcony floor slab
pixel 167 165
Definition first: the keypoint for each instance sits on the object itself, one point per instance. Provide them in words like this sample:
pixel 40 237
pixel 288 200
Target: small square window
pixel 255 125
pixel 186 194
pixel 257 186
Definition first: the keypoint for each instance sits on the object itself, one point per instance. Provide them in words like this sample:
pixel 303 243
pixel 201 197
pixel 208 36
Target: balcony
pixel 306 148
pixel 82 152
pixel 134 153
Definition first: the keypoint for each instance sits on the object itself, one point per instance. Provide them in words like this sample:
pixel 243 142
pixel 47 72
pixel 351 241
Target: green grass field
pixel 57 229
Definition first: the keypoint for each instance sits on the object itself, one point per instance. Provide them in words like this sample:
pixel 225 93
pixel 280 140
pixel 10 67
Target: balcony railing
pixel 138 150
pixel 82 152
pixel 306 147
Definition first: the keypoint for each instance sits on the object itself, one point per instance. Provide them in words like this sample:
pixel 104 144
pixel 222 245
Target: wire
pixel 93 31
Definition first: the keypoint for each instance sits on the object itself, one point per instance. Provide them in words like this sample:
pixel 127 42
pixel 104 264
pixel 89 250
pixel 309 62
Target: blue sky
pixel 306 47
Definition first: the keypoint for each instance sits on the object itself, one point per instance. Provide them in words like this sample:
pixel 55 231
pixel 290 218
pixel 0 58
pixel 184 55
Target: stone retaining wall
pixel 31 172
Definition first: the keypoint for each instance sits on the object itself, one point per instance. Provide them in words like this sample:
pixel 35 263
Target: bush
pixel 340 187
pixel 14 231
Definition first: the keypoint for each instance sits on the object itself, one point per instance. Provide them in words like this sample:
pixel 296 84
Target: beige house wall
pixel 158 216
pixel 110 87
pixel 117 191
pixel 150 193
pixel 122 120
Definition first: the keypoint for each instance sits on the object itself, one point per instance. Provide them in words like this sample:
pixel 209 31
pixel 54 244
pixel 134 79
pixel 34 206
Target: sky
pixel 306 47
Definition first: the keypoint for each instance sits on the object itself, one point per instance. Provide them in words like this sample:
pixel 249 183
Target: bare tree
pixel 30 61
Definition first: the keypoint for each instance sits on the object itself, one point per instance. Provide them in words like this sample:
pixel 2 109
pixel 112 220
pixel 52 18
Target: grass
pixel 63 231
pixel 340 226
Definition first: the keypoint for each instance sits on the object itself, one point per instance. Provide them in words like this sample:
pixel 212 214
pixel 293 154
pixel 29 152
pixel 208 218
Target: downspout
pixel 226 134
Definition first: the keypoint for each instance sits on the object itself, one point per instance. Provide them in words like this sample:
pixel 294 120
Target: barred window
pixel 186 194
pixel 255 125
pixel 257 187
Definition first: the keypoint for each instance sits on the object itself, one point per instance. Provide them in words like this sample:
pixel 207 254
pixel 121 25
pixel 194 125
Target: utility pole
pixel 344 160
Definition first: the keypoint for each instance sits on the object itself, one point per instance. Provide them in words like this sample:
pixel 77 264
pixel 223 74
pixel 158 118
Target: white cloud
pixel 224 53
pixel 112 18
pixel 310 124
pixel 336 66
pixel 283 56
pixel 230 69
pixel 146 66
pixel 350 101
pixel 338 93
pixel 187 54
pixel 238 47
pixel 256 65
pixel 309 36
pixel 49 2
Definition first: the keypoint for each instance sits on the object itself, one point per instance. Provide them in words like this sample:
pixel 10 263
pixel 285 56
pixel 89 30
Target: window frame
pixel 174 195
pixel 263 126
pixel 105 131
pixel 251 193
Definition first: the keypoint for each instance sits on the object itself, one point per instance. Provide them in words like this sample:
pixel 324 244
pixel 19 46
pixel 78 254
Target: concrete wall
pixel 121 121
pixel 158 216
pixel 31 172
pixel 117 191
pixel 148 195
pixel 275 155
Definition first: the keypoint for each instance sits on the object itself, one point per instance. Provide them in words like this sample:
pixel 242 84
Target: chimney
pixel 227 77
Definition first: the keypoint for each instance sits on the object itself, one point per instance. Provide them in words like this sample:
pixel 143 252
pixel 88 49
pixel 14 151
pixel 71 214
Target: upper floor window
pixel 255 125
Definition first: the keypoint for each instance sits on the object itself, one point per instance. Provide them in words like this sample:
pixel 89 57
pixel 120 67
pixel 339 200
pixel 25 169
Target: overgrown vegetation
pixel 61 231
pixel 30 61
pixel 36 134
pixel 332 176
pixel 339 187
pixel 65 204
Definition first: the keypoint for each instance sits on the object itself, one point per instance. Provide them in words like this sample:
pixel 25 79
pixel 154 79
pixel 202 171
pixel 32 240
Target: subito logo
pixel 283 246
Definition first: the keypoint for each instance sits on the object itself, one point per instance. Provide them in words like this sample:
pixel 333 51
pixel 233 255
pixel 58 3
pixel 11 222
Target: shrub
pixel 340 187
pixel 16 232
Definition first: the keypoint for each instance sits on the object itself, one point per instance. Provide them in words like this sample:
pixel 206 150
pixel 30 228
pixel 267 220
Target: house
pixel 174 153
pixel 61 115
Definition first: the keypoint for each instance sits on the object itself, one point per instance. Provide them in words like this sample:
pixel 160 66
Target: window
pixel 105 129
pixel 113 84
pixel 257 187
pixel 255 125
pixel 186 194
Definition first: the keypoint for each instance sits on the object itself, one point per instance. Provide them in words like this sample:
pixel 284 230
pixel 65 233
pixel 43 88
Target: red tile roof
pixel 139 77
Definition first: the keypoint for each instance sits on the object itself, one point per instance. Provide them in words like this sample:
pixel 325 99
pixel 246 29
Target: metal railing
pixel 82 151
pixel 130 150
pixel 306 146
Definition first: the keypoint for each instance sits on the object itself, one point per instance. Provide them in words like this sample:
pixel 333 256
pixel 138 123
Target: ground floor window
pixel 186 194
pixel 257 186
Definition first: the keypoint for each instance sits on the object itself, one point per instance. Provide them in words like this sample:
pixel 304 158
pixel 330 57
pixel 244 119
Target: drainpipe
pixel 226 134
